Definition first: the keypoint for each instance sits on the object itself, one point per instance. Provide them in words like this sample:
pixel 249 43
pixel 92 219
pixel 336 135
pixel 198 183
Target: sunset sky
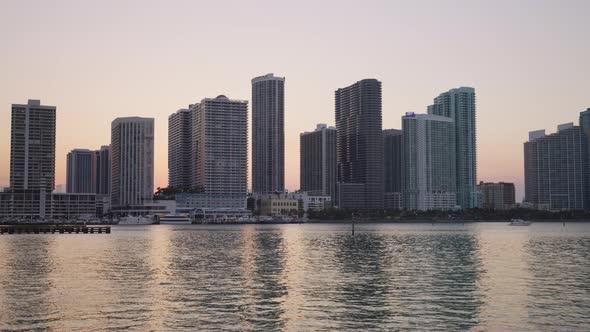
pixel 529 62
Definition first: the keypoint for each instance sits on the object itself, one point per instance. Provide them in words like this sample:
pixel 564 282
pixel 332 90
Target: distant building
pixel 103 170
pixel 282 204
pixel 29 204
pixel 32 146
pixel 556 168
pixel 428 162
pixel 392 157
pixel 220 146
pixel 268 134
pixel 132 159
pixel 459 105
pixel 359 145
pixel 81 171
pixel 497 196
pixel 318 167
pixel 179 149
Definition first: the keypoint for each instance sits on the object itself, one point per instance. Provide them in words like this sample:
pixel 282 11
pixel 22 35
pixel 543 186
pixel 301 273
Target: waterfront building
pixel 497 196
pixel 132 159
pixel 103 170
pixel 284 204
pixel 268 134
pixel 459 105
pixel 428 162
pixel 34 204
pixel 359 145
pixel 179 149
pixel 318 202
pixel 556 168
pixel 81 171
pixel 220 146
pixel 318 167
pixel 392 158
pixel 32 146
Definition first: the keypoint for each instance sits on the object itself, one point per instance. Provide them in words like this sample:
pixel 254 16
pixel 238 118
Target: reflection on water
pixel 299 277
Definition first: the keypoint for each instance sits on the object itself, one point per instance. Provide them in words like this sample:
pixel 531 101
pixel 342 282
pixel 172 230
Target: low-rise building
pixel 497 196
pixel 282 204
pixel 27 204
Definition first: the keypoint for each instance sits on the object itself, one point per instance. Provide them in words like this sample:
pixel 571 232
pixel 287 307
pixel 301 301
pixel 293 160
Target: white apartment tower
pixel 220 146
pixel 268 134
pixel 132 161
pixel 428 162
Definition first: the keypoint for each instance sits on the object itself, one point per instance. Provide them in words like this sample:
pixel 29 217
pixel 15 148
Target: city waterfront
pixel 481 276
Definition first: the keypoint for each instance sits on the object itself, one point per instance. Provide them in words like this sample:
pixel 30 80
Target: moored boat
pixel 519 222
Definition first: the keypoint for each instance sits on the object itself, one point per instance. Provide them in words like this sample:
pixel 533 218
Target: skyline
pixel 150 68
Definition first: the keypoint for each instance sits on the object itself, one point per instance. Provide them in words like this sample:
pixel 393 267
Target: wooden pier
pixel 54 229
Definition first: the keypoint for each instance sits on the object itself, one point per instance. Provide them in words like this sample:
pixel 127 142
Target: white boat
pixel 175 219
pixel 519 222
pixel 136 220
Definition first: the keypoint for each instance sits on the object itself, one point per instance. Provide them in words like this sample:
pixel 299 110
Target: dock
pixel 54 229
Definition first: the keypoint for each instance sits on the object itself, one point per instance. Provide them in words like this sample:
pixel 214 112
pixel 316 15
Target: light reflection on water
pixel 299 277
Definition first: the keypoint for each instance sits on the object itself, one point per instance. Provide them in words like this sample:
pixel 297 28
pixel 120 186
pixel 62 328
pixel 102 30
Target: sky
pixel 529 62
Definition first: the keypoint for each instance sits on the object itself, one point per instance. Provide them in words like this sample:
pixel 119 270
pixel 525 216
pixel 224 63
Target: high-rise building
pixel 428 162
pixel 32 146
pixel 459 105
pixel 317 161
pixel 103 170
pixel 220 145
pixel 268 134
pixel 81 171
pixel 132 161
pixel 392 158
pixel 556 169
pixel 179 149
pixel 497 196
pixel 359 145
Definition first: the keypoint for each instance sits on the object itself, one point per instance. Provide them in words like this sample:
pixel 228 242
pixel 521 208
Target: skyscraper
pixel 220 145
pixel 268 134
pixel 556 169
pixel 392 158
pixel 132 159
pixel 179 149
pixel 317 161
pixel 428 162
pixel 459 105
pixel 359 145
pixel 103 170
pixel 81 171
pixel 32 146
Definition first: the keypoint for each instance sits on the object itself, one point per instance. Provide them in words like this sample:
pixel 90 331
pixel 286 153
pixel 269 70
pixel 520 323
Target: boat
pixel 175 219
pixel 519 222
pixel 136 220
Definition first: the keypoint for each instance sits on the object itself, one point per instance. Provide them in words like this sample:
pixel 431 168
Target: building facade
pixel 317 160
pixel 132 161
pixel 81 170
pixel 459 105
pixel 32 146
pixel 179 149
pixel 428 162
pixel 268 134
pixel 359 145
pixel 497 196
pixel 103 170
pixel 220 146
pixel 392 158
pixel 556 169
pixel 21 205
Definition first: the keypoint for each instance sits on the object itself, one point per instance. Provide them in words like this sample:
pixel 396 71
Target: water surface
pixel 317 277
